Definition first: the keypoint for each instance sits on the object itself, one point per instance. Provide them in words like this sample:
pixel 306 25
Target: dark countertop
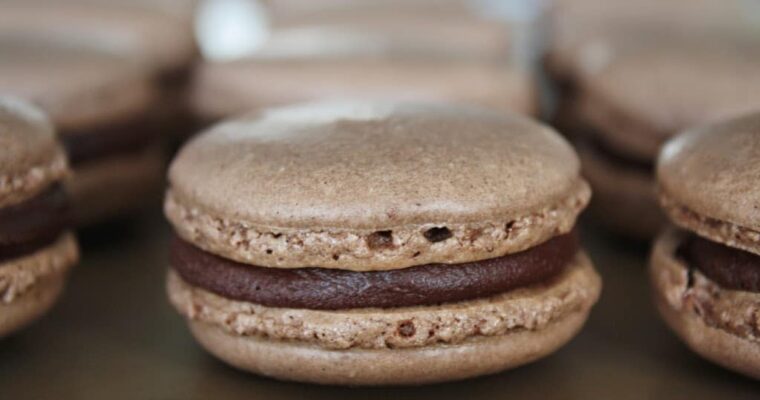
pixel 114 336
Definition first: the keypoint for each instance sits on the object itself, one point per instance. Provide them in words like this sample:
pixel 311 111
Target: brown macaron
pixel 371 243
pixel 157 34
pixel 706 272
pixel 630 102
pixel 229 88
pixel 104 108
pixel 36 247
pixel 629 76
pixel 432 26
pixel 369 51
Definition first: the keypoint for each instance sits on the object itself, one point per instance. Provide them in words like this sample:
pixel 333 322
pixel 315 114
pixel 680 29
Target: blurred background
pixel 127 81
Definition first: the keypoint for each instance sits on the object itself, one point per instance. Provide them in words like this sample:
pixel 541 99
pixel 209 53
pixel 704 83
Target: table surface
pixel 114 336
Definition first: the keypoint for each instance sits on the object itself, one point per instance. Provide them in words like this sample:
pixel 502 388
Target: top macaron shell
pixel 30 158
pixel 75 83
pixel 341 172
pixel 225 89
pixel 642 96
pixel 160 40
pixel 709 181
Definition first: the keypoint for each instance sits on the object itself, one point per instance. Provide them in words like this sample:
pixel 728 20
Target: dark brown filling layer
pixel 613 156
pixel 330 289
pixel 121 137
pixel 176 78
pixel 33 224
pixel 729 267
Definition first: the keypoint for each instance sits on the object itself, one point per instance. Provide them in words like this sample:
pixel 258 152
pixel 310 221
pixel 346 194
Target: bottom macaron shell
pixel 411 345
pixel 31 306
pixel 413 366
pixel 30 286
pixel 730 344
pixel 121 183
pixel 624 200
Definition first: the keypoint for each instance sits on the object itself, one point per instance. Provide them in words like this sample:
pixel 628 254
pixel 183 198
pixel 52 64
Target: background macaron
pixel 629 76
pixel 705 273
pixel 104 107
pixel 36 248
pixel 627 106
pixel 374 51
pixel 283 215
pixel 159 35
pixel 452 27
pixel 226 89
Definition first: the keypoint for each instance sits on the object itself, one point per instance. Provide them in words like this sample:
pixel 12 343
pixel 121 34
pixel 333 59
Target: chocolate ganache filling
pixel 34 223
pixel 332 289
pixel 121 137
pixel 729 267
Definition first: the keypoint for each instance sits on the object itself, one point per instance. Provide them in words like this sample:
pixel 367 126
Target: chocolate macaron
pixel 157 34
pixel 225 89
pixel 454 27
pixel 36 247
pixel 706 272
pixel 371 243
pixel 103 106
pixel 619 125
pixel 368 51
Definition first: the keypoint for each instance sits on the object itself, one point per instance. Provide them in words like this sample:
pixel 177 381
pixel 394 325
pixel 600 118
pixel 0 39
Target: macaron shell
pixel 694 84
pixel 225 89
pixel 708 181
pixel 459 34
pixel 33 305
pixel 31 158
pixel 30 285
pixel 158 40
pixel 578 24
pixel 670 280
pixel 372 165
pixel 340 172
pixel 76 85
pixel 531 308
pixel 304 363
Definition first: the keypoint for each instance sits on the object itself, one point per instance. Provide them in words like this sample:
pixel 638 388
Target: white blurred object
pixel 230 29
pixel 529 26
pixel 514 10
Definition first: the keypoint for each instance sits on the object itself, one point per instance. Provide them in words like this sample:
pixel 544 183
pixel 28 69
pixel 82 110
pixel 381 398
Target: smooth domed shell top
pixel 161 40
pixel 225 89
pixel 31 157
pixel 374 165
pixel 74 82
pixel 713 172
pixel 374 186
pixel 671 87
pixel 579 23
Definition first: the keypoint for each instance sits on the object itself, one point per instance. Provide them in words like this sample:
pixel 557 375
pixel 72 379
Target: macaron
pixel 229 88
pixel 441 29
pixel 581 29
pixel 103 106
pixel 706 270
pixel 629 102
pixel 372 243
pixel 36 246
pixel 157 34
